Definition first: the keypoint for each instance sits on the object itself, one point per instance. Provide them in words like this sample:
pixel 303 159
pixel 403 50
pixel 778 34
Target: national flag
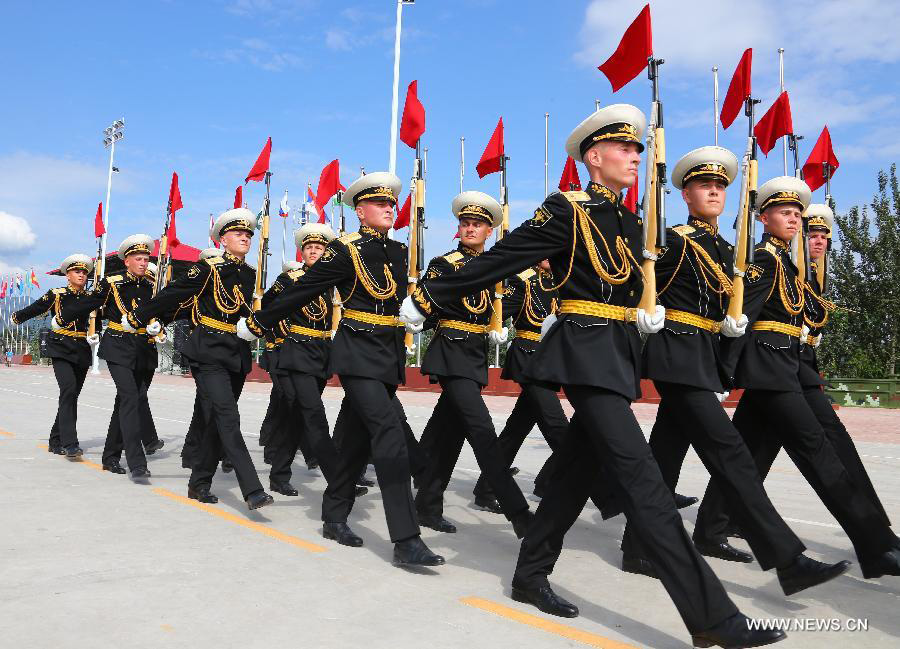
pixel 310 197
pixel 284 209
pixel 635 48
pixel 329 185
pixel 822 152
pixel 569 181
pixel 20 285
pixel 402 219
pixel 738 89
pixel 492 158
pixel 631 196
pixel 99 227
pixel 238 197
pixel 3 290
pixel 774 124
pixel 261 166
pixel 413 123
pixel 34 279
pixel 175 204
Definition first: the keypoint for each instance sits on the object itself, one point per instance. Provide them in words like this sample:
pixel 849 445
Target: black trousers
pixel 464 416
pixel 222 389
pixel 604 435
pixel 200 421
pixel 70 379
pixel 789 420
pixel 539 406
pixel 371 423
pixel 267 429
pixel 127 427
pixel 693 416
pixel 304 419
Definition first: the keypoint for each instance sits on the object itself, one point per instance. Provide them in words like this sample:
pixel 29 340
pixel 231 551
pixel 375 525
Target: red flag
pixel 329 184
pixel 413 123
pixel 738 89
pixel 261 166
pixel 298 256
pixel 99 227
pixel 3 290
pixel 175 204
pixel 403 216
pixel 569 181
pixel 774 124
pixel 631 196
pixel 238 197
pixel 813 171
pixel 492 158
pixel 631 56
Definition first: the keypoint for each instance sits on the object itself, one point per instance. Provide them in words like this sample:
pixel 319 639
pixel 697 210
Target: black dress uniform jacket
pixel 218 292
pixel 369 271
pixel 603 239
pixel 689 273
pixel 74 349
pixel 528 303
pixel 815 314
pixel 454 351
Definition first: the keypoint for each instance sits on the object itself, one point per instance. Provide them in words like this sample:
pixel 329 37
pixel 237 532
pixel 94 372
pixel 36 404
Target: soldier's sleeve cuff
pixel 15 320
pixel 255 327
pixel 134 322
pixel 422 303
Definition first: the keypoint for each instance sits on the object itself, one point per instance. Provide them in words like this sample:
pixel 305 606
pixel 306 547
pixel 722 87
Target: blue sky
pixel 202 84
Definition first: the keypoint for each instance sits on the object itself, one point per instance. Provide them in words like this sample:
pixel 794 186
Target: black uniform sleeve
pixel 36 308
pixel 759 283
pixel 514 297
pixel 79 308
pixel 281 283
pixel 167 302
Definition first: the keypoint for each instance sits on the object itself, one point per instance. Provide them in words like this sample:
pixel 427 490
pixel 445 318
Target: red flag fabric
pixel 413 123
pixel 99 227
pixel 631 196
pixel 238 197
pixel 403 215
pixel 569 181
pixel 738 89
pixel 631 56
pixel 774 124
pixel 175 204
pixel 3 290
pixel 821 153
pixel 492 158
pixel 329 184
pixel 298 256
pixel 261 166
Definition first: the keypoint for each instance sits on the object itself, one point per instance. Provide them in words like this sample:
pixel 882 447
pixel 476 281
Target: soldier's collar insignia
pixel 466 250
pixel 778 243
pixel 604 191
pixel 703 225
pixel 372 232
pixel 232 258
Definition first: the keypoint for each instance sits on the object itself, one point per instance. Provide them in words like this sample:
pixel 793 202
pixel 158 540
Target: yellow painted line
pixel 6 433
pixel 590 639
pixel 87 463
pixel 256 527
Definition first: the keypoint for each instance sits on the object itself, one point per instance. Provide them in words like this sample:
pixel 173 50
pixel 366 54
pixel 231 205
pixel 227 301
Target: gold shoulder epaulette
pixel 454 256
pixel 58 291
pixel 577 195
pixel 112 279
pixel 350 237
pixel 527 274
pixel 215 261
pixel 297 272
pixel 771 249
pixel 683 230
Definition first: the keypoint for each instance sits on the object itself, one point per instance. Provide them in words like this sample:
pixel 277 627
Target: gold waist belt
pixel 598 309
pixel 306 331
pixel 529 335
pixel 694 320
pixel 212 323
pixel 73 334
pixel 810 340
pixel 373 318
pixel 115 326
pixel 464 326
pixel 780 327
pixel 270 345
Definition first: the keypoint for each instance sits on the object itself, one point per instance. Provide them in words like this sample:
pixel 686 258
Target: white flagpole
pixel 462 162
pixel 283 227
pixel 715 72
pixel 546 153
pixel 392 167
pixel 784 142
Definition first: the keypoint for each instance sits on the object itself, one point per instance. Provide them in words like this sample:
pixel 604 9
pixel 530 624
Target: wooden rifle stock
pixel 654 207
pixel 416 243
pixel 744 239
pixel 263 257
pixel 497 304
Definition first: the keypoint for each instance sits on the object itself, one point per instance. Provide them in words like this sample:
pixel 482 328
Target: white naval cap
pixel 616 122
pixel 290 265
pixel 705 162
pixel 136 243
pixel 76 262
pixel 313 233
pixel 820 217
pixel 781 190
pixel 477 205
pixel 240 218
pixel 378 185
pixel 209 253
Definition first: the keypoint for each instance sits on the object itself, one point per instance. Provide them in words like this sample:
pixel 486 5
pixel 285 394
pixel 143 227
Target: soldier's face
pixel 818 242
pixel 474 232
pixel 237 242
pixel 614 163
pixel 376 214
pixel 311 253
pixel 77 278
pixel 137 264
pixel 704 198
pixel 782 221
pixel 545 264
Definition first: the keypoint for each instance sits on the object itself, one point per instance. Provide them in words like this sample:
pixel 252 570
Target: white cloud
pixel 338 39
pixel 9 269
pixel 15 233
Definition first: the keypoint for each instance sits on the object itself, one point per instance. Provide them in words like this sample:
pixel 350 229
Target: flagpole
pixel 211 222
pixel 422 243
pixel 784 142
pixel 715 72
pixel 283 228
pixel 596 104
pixel 462 162
pixel 546 153
pixel 392 167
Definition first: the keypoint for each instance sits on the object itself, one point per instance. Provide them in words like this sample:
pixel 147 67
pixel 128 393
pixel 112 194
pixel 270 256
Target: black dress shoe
pixel 805 573
pixel 361 491
pixel 341 533
pixel 140 474
pixel 513 470
pixel 113 467
pixel 227 466
pixel 73 452
pixel 154 447
pixel 365 482
pixel 685 501
pixel 437 523
pixel 638 566
pixel 312 465
pixel 258 499
pixel 724 551
pixel 886 564
pixel 202 494
pixel 521 522
pixel 283 488
pixel 735 633
pixel 56 450
pixel 488 504
pixel 545 600
pixel 414 552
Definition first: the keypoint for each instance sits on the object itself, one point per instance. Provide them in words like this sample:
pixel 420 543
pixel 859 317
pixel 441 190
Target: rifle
pixel 92 323
pixel 416 233
pixel 497 314
pixel 801 246
pixel 745 223
pixel 654 204
pixel 337 305
pixel 263 257
pixel 163 257
pixel 822 265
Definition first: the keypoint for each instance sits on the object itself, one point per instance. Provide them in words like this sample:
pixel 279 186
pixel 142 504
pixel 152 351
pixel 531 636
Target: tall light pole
pixel 392 166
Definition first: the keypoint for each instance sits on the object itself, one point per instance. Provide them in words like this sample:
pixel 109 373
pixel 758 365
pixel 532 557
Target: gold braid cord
pixel 368 282
pixel 827 306
pixel 708 268
pixel 793 308
pixel 316 311
pixel 483 301
pixel 531 316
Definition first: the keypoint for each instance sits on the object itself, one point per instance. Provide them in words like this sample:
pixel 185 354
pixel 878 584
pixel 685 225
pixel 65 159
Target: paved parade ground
pixel 92 560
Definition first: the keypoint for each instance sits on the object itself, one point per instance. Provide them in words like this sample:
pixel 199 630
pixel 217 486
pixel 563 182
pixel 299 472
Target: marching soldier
pixel 593 351
pixel 219 291
pixel 368 355
pixel 69 348
pixel 766 364
pixel 457 358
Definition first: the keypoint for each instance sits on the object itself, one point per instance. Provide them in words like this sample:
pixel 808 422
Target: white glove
pixel 160 339
pixel 154 328
pixel 548 322
pixel 127 325
pixel 499 337
pixel 94 340
pixel 54 324
pixel 650 323
pixel 817 341
pixel 409 312
pixel 721 396
pixel 333 333
pixel 732 328
pixel 243 332
pixel 414 328
pixel 411 349
pixel 804 332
